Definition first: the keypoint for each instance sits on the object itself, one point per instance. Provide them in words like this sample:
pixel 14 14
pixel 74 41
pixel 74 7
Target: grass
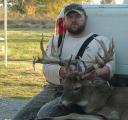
pixel 18 79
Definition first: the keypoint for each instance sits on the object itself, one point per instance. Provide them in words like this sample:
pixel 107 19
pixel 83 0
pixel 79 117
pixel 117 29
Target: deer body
pixel 97 97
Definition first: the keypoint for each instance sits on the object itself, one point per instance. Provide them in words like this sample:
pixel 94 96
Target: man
pixel 75 20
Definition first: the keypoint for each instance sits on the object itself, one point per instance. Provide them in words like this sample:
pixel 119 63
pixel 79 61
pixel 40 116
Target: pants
pixel 30 110
pixel 54 108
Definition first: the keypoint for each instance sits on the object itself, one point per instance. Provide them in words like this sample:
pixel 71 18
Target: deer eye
pixel 99 83
pixel 77 88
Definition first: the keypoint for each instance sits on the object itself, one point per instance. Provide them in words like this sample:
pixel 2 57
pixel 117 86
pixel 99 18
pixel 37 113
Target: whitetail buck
pixel 96 97
pixel 99 100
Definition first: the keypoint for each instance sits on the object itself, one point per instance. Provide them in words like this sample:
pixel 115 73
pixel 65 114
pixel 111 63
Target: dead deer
pixel 93 96
pixel 99 100
pixel 96 97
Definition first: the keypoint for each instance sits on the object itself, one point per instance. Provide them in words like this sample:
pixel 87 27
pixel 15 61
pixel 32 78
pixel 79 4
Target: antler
pixel 54 59
pixel 108 54
pixel 99 61
pixel 45 59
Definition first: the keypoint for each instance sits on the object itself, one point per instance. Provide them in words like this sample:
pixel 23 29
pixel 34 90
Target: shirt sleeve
pixel 51 71
pixel 110 64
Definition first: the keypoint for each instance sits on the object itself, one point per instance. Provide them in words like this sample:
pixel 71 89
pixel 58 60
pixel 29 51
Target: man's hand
pixel 101 72
pixel 89 75
pixel 64 70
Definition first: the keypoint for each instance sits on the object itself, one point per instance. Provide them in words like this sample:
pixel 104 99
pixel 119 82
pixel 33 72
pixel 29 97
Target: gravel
pixel 9 107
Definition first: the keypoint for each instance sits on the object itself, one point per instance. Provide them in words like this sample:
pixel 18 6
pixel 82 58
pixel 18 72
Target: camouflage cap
pixel 74 7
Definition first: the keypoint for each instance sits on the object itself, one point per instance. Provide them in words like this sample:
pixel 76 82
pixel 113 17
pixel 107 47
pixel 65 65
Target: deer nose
pixel 66 103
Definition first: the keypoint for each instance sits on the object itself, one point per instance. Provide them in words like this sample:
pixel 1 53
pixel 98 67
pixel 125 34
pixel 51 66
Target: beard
pixel 78 31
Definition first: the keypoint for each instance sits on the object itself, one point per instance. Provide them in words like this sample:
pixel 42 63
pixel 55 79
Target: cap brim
pixel 74 10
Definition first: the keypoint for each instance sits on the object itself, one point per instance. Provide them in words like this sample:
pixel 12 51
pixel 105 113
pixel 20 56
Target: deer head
pixel 88 93
pixel 85 93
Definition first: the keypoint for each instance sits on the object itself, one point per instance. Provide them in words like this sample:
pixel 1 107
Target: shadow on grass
pixel 30 85
pixel 21 97
pixel 8 84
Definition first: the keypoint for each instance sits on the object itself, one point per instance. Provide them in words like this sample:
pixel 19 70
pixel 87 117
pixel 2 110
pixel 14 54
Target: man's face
pixel 75 22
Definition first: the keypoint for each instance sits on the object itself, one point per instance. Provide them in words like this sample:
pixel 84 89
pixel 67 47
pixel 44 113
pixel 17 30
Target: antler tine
pixel 100 60
pixel 101 44
pixel 45 59
pixel 111 48
pixel 108 54
pixel 84 63
pixel 42 46
pixel 96 61
pixel 69 62
pixel 54 58
pixel 87 69
pixel 36 60
pixel 54 52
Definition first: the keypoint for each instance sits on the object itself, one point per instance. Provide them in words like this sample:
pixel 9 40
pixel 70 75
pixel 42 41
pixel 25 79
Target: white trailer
pixel 112 21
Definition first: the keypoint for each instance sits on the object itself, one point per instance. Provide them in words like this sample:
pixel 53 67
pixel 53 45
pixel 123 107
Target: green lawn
pixel 19 80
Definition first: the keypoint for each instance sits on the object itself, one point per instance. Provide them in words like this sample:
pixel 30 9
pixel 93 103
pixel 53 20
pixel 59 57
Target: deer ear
pixel 99 82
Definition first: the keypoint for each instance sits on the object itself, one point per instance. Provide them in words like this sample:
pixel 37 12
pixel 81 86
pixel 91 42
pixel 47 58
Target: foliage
pixel 107 1
pixel 31 7
pixel 55 6
pixel 26 6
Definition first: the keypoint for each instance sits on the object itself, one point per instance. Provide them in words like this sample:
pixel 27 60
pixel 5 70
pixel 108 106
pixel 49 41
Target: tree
pixel 107 1
pixel 54 6
pixel 51 7
pixel 25 6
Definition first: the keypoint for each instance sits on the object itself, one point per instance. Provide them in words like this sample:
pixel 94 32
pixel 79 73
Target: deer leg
pixel 111 114
pixel 52 109
pixel 124 115
pixel 75 116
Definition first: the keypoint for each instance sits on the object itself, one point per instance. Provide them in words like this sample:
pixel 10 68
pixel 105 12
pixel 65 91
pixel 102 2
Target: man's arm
pixel 101 72
pixel 51 71
pixel 108 70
